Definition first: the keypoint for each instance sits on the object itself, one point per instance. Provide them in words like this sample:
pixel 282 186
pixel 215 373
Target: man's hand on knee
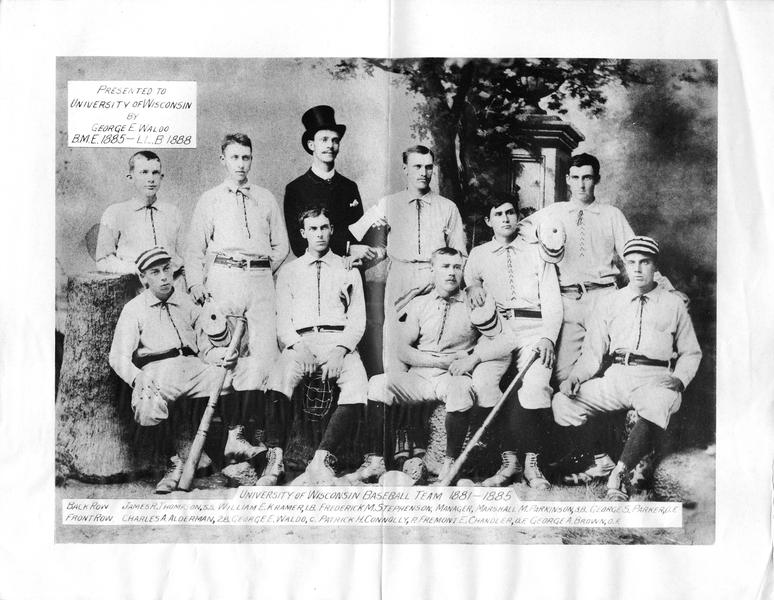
pixel 144 380
pixel 570 386
pixel 333 362
pixel 465 365
pixel 671 382
pixel 306 358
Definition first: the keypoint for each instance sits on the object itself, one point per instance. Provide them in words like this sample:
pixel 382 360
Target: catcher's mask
pixel 319 396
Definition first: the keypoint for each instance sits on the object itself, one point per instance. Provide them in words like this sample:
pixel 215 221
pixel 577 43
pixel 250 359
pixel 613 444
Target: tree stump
pixel 96 437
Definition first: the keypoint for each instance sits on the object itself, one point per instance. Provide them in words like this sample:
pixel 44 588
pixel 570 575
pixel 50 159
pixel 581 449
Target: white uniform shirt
pixel 518 278
pixel 415 234
pixel 596 234
pixel 439 325
pixel 149 326
pixel 235 221
pixel 656 328
pixel 313 292
pixel 129 228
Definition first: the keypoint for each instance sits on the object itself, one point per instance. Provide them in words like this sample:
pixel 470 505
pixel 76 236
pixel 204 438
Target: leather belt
pixel 508 313
pixel 582 288
pixel 320 329
pixel 629 359
pixel 141 361
pixel 242 263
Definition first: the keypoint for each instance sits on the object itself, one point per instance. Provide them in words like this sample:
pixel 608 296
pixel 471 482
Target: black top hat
pixel 317 118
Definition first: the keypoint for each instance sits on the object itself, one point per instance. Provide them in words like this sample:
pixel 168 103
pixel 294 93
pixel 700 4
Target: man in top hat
pixel 323 185
pixel 642 327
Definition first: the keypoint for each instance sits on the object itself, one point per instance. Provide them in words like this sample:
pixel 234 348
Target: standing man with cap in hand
pixel 641 326
pixel 323 185
pixel 596 234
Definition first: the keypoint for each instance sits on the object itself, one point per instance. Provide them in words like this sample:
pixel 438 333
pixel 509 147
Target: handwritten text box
pixel 131 114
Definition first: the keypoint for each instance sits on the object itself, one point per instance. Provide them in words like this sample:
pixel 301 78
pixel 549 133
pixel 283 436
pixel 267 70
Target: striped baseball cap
pixel 485 318
pixel 641 244
pixel 214 324
pixel 150 257
pixel 551 239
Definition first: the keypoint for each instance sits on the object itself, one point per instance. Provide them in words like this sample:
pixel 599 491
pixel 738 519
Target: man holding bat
pixel 236 241
pixel 160 350
pixel 522 278
pixel 438 341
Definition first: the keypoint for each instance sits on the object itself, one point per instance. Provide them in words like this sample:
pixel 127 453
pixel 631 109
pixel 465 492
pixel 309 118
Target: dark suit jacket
pixel 339 195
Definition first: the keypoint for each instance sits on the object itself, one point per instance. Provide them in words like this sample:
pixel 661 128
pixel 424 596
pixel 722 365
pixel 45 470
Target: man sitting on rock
pixel 320 320
pixel 438 341
pixel 521 277
pixel 159 348
pixel 642 326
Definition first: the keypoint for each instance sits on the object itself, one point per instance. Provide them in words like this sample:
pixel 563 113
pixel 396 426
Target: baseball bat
pixel 490 417
pixel 197 447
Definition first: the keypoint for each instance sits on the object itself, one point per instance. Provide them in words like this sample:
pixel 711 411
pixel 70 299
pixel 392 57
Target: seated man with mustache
pixel 447 362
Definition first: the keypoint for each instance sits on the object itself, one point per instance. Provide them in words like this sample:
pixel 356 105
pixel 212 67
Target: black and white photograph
pixel 386 300
pixel 387 274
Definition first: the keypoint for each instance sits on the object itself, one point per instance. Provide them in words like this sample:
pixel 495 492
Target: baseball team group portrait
pixel 441 272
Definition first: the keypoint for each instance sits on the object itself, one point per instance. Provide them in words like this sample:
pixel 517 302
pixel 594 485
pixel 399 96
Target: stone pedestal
pixel 538 171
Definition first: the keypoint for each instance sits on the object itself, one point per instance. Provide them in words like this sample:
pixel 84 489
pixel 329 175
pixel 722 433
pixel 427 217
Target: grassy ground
pixel 688 477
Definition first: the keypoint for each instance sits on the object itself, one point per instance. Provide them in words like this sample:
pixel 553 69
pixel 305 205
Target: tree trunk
pixel 446 159
pixel 97 439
